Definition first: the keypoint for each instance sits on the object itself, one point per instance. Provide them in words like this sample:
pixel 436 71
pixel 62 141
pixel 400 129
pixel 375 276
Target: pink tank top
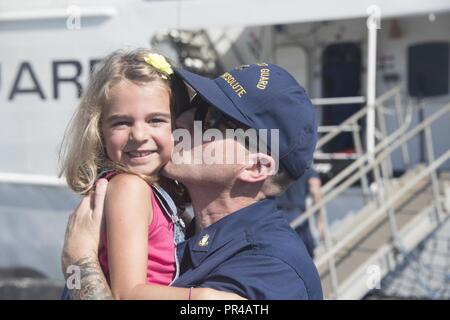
pixel 161 247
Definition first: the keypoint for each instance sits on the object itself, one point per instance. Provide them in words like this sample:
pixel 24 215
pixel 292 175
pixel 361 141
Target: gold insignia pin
pixel 204 241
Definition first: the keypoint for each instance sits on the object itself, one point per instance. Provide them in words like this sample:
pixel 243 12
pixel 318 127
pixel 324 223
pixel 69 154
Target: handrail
pixel 337 101
pixel 356 116
pixel 352 121
pixel 384 207
pixel 380 146
pixel 386 150
pixel 357 164
pixel 382 210
pixel 353 127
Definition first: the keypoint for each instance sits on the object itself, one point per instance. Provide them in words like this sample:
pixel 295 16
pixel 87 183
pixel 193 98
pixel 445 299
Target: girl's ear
pixel 260 167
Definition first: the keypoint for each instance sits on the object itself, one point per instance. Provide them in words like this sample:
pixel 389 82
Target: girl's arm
pixel 128 213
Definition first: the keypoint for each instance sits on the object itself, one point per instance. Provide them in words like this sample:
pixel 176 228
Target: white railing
pixel 379 164
pixel 56 13
pixel 351 124
pixel 337 101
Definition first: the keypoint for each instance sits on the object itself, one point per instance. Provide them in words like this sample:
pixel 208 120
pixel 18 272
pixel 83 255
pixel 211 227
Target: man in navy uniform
pixel 239 241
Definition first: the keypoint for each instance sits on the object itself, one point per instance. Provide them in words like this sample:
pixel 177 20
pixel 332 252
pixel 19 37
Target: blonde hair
pixel 82 155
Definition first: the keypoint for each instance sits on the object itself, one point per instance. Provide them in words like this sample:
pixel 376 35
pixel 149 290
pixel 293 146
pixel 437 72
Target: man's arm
pixel 263 277
pixel 93 285
pixel 80 248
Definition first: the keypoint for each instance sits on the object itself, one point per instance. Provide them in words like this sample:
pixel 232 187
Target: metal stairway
pixel 396 216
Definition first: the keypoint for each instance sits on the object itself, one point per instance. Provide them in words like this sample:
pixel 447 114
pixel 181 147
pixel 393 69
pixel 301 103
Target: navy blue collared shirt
pixel 252 252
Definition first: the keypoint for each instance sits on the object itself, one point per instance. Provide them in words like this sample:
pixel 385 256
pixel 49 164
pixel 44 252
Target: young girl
pixel 122 131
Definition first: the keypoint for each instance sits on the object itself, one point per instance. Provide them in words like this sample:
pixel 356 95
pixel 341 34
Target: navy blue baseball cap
pixel 265 96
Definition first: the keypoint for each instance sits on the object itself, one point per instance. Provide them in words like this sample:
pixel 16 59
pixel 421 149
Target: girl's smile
pixel 140 156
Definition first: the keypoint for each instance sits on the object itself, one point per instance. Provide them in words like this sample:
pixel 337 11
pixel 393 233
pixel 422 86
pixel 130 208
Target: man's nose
pixel 186 119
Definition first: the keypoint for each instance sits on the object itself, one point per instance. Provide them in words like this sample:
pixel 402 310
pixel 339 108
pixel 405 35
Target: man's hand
pixel 83 230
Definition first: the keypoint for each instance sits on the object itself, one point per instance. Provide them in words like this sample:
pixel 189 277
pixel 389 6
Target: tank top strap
pixel 170 209
pixel 107 174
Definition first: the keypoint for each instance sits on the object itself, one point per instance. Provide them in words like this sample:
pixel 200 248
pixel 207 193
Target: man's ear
pixel 260 167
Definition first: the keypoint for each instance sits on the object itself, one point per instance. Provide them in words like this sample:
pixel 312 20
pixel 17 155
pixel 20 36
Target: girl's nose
pixel 139 133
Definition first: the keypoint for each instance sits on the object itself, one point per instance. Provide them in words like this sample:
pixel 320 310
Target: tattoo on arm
pixel 93 282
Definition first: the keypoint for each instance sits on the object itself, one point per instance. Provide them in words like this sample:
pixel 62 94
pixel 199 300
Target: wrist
pixel 198 293
pixel 69 259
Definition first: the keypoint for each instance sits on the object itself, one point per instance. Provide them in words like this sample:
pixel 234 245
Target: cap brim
pixel 211 92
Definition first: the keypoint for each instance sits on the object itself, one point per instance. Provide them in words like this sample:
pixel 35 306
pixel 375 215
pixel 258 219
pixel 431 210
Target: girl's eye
pixel 120 123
